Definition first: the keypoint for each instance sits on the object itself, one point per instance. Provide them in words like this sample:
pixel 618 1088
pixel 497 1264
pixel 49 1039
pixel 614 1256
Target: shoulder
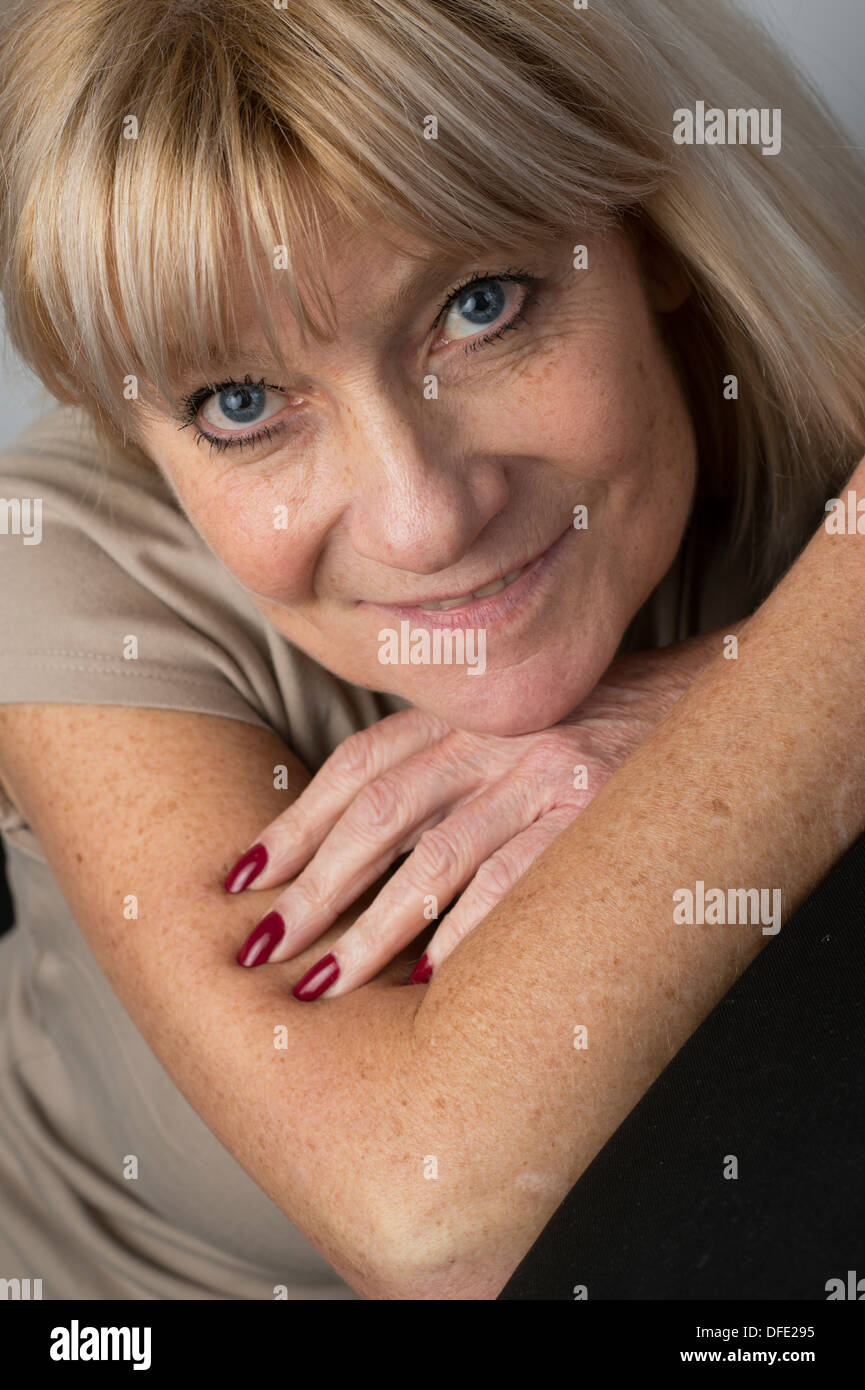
pixel 62 475
pixel 63 450
pixel 108 595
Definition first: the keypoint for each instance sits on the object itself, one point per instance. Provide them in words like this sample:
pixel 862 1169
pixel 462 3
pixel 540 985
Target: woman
pixel 407 320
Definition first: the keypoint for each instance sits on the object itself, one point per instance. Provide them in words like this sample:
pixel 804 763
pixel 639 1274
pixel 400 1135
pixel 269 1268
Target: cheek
pixel 603 407
pixel 605 411
pixel 262 530
pixel 641 450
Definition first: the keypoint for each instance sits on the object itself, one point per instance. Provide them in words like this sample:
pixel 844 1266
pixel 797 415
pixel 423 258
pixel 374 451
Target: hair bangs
pixel 189 161
pixel 198 166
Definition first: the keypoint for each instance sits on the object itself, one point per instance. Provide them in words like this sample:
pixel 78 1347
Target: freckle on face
pixel 579 405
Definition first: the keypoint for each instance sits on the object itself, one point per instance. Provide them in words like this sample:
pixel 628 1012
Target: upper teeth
pixel 485 592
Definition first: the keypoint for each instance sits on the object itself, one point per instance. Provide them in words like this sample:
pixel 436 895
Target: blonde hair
pixel 256 120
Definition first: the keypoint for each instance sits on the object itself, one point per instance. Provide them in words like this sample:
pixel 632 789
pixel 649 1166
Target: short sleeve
pixel 107 593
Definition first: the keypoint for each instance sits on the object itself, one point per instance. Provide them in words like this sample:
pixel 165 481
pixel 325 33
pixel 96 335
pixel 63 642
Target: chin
pixel 503 703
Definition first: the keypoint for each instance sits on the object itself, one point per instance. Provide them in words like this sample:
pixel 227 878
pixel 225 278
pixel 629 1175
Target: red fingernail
pixel 258 946
pixel 422 971
pixel 317 980
pixel 253 862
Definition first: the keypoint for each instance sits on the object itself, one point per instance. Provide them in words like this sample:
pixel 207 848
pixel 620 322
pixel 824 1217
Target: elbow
pixel 427 1256
pixel 408 1277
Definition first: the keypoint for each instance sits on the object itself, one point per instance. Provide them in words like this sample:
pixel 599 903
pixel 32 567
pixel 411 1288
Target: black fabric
pixel 6 912
pixel 774 1076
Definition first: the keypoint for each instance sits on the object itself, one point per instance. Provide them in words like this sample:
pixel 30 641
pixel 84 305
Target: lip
pixel 480 612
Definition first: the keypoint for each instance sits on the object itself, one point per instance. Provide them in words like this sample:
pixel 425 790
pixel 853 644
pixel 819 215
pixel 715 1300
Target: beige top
pixel 79 1087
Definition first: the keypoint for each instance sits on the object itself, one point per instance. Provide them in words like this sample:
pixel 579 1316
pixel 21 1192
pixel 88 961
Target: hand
pixel 475 809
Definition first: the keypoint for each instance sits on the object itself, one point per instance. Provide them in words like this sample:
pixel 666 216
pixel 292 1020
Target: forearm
pixel 420 1137
pixel 756 779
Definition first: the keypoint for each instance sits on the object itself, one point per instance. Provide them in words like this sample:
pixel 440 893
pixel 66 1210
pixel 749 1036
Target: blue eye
pixel 485 302
pixel 482 304
pixel 232 407
pixel 489 301
pixel 241 403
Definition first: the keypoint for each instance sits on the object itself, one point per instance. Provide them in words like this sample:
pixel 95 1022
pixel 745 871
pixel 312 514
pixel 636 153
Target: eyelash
pixel 193 403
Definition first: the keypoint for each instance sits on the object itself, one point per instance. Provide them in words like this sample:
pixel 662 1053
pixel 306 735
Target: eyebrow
pixel 420 281
pixel 425 276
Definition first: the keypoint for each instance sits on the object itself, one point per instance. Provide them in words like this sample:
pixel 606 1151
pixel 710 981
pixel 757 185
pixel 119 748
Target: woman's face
pixel 415 461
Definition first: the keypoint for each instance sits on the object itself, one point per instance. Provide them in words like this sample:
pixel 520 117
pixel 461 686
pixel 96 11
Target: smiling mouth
pixel 486 591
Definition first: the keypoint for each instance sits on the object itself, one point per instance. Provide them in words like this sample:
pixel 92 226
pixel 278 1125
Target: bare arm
pixel 311 1122
pixel 755 780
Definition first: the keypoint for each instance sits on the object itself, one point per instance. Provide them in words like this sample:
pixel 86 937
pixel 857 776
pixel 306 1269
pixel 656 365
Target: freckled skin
pixel 391 497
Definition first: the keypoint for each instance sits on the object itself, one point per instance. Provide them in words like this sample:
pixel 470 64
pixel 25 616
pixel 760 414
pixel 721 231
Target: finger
pixel 385 818
pixel 287 843
pixel 493 880
pixel 445 859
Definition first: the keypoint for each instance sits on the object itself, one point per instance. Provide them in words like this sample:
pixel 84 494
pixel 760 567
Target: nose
pixel 421 497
